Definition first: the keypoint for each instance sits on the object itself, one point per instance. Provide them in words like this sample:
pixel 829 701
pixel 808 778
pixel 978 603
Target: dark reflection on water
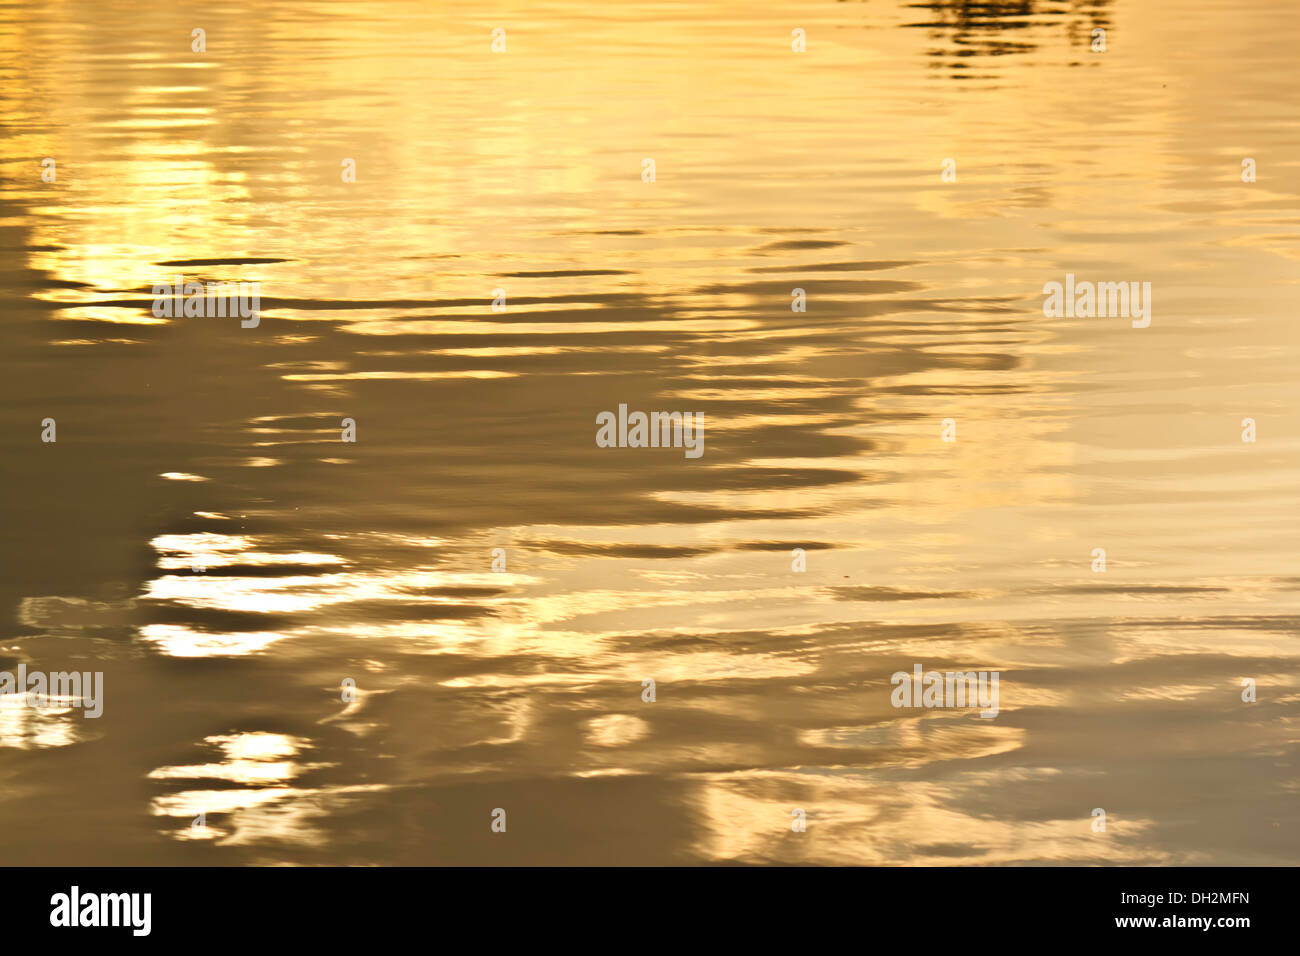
pixel 967 31
pixel 201 534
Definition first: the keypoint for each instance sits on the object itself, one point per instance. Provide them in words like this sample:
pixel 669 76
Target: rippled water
pixel 200 533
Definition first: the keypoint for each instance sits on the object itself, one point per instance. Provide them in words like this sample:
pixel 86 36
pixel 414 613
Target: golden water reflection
pixel 201 532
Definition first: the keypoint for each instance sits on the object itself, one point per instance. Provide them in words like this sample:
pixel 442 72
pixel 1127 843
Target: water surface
pixel 201 534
